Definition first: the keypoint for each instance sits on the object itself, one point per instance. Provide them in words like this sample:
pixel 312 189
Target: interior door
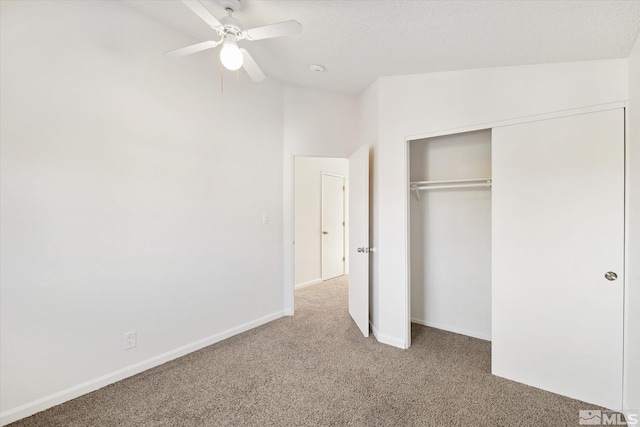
pixel 332 226
pixel 557 247
pixel 359 238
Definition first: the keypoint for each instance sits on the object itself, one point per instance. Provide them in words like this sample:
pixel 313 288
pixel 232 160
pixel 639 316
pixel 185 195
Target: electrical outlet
pixel 129 340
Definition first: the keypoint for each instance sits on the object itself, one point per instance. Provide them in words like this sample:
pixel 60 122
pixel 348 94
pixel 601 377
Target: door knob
pixel 360 249
pixel 610 275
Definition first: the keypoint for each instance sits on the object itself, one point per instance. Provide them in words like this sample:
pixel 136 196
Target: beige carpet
pixel 316 369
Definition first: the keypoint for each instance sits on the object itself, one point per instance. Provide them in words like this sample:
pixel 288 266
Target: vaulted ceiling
pixel 358 41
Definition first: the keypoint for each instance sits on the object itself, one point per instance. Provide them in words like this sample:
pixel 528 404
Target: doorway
pixel 319 256
pixel 305 228
pixel 450 232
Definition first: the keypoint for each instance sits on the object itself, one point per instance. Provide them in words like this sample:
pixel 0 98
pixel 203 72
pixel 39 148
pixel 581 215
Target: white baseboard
pixel 386 339
pixel 452 329
pixel 46 402
pixel 309 283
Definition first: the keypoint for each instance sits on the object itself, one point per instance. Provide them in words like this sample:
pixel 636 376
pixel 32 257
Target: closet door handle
pixel 611 276
pixel 325 232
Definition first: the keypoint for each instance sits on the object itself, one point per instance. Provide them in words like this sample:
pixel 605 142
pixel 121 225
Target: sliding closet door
pixel 557 232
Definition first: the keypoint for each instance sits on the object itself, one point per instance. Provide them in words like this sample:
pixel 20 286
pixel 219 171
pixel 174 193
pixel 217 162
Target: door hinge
pixel 343 188
pixel 343 223
pixel 343 259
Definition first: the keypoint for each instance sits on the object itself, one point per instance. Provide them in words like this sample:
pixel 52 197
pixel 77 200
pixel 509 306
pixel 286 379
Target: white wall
pixel 316 123
pixel 632 297
pixel 450 235
pixel 414 106
pixel 131 190
pixel 308 215
pixel 320 122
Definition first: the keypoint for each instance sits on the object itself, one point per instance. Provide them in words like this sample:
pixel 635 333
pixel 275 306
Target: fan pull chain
pixel 222 77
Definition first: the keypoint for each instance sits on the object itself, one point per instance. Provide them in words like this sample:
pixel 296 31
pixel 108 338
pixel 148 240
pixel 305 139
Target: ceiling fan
pixel 230 31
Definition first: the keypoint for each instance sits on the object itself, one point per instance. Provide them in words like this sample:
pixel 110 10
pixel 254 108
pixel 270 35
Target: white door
pixel 359 238
pixel 558 229
pixel 332 226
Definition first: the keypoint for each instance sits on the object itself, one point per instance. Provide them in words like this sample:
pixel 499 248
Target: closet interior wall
pixel 450 234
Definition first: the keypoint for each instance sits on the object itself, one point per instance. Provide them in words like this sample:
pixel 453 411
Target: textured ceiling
pixel 360 40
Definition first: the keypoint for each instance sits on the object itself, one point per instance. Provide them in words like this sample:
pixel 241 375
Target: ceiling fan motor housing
pixel 231 25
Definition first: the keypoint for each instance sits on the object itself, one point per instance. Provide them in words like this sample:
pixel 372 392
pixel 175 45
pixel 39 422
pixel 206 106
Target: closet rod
pixel 460 183
pixel 451 181
pixel 439 187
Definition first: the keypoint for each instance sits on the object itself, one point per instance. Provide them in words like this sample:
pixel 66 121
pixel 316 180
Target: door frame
pixel 344 219
pixel 288 222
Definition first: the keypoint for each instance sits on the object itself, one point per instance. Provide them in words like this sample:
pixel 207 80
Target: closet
pixel 536 263
pixel 450 232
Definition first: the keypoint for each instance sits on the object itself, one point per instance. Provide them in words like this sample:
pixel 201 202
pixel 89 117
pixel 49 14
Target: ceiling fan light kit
pixel 230 54
pixel 230 31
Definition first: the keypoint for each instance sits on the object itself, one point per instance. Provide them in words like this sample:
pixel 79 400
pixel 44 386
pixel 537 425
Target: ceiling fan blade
pixel 251 67
pixel 204 14
pixel 178 53
pixel 286 28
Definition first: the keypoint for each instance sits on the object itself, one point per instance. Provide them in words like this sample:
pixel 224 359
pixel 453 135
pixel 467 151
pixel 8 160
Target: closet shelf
pixel 417 186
